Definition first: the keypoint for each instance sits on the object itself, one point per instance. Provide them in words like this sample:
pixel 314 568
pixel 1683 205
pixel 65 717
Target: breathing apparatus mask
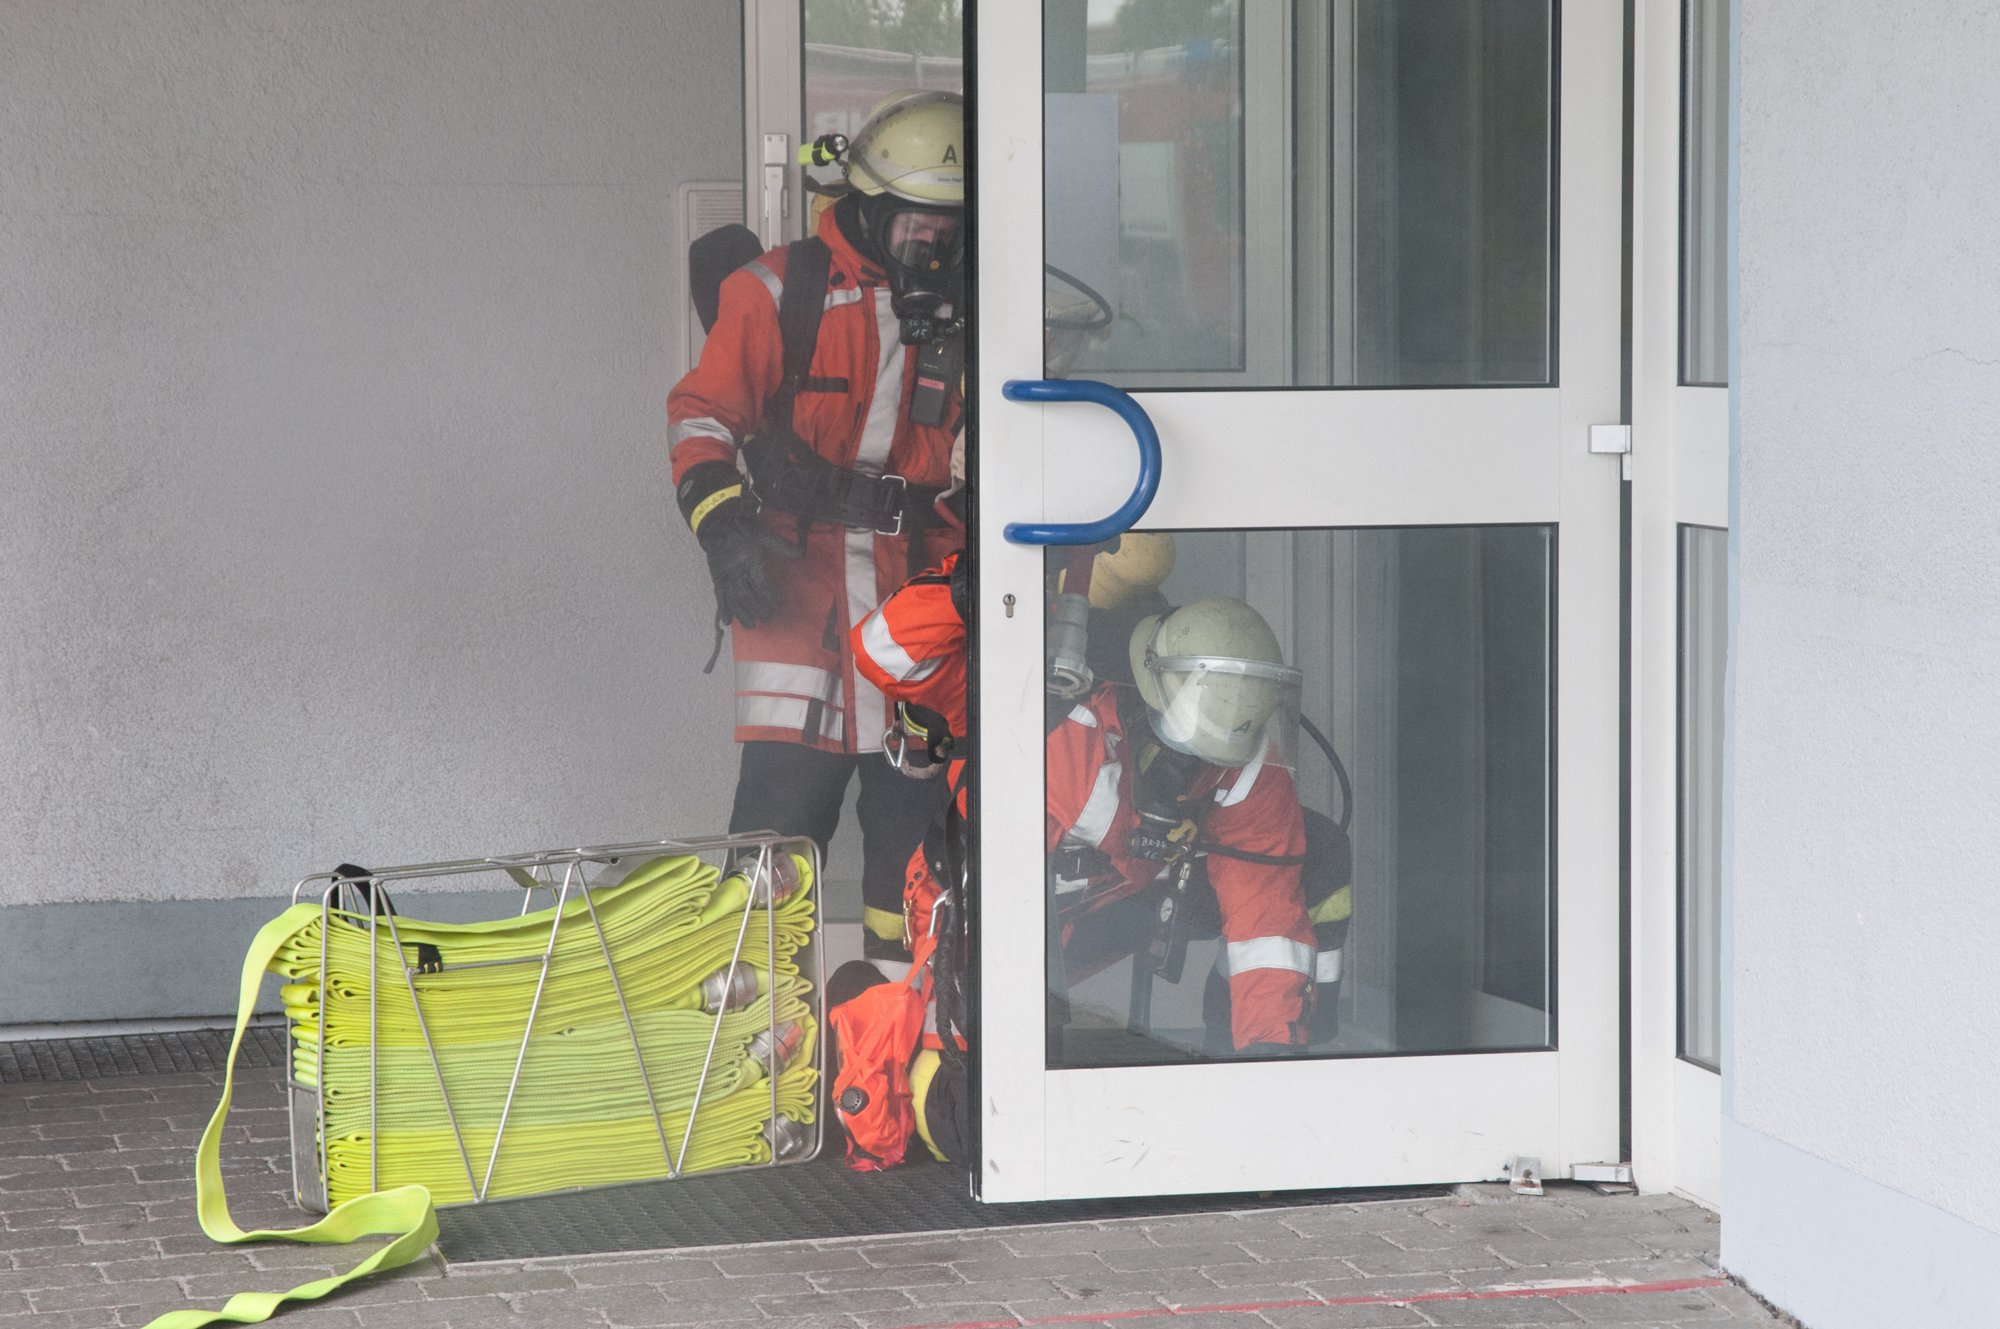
pixel 922 248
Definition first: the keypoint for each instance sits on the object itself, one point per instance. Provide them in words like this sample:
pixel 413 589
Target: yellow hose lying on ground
pixel 420 1116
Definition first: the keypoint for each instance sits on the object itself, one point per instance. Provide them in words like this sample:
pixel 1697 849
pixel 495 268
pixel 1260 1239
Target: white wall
pixel 1861 1091
pixel 334 345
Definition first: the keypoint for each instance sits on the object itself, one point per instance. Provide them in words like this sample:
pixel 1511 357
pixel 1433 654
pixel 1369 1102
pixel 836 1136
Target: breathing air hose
pixel 396 1145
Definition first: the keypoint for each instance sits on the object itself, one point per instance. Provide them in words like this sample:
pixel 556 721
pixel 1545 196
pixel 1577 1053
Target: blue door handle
pixel 1084 389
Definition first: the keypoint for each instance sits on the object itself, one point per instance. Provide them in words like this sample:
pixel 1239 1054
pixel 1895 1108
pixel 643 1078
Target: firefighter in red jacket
pixel 901 1045
pixel 1205 799
pixel 845 439
pixel 1194 803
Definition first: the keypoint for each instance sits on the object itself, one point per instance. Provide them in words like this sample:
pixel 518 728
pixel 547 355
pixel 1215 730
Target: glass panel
pixel 1145 182
pixel 1303 805
pixel 1386 224
pixel 860 51
pixel 1703 645
pixel 1705 193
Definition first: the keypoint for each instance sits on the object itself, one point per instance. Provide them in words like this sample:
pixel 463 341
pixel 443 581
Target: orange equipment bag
pixel 877 1033
pixel 920 894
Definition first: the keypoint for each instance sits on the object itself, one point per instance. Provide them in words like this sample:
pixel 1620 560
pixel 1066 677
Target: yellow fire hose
pixel 575 1104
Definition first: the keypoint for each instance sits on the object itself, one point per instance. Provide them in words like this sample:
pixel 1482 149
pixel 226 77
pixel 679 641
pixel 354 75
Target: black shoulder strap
pixel 807 265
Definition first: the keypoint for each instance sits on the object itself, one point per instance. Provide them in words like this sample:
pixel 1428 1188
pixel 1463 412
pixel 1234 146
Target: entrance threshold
pixel 817 1201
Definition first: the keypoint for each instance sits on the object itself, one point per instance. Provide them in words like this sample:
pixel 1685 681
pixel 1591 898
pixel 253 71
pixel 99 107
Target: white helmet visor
pixel 1226 710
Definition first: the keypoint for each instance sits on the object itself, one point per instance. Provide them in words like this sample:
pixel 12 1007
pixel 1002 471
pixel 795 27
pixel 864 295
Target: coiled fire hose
pixel 579 1115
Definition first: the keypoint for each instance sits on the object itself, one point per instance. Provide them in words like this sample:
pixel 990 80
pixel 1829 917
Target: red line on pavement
pixel 1249 1307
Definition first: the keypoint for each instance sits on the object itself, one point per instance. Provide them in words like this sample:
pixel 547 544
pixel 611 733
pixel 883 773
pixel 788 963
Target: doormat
pixel 813 1201
pixel 61 1060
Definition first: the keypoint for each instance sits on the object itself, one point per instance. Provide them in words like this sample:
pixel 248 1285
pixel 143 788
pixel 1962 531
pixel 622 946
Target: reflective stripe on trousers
pixel 1239 957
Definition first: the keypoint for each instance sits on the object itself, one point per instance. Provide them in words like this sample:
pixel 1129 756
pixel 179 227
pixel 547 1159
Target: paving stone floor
pixel 97 1227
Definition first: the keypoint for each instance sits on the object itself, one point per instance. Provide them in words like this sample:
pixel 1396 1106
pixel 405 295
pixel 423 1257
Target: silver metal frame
pixel 540 871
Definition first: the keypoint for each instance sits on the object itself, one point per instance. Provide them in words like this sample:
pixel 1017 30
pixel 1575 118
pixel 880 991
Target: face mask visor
pixel 1227 711
pixel 923 242
pixel 923 251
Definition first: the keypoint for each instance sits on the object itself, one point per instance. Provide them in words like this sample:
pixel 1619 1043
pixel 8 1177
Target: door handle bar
pixel 1135 417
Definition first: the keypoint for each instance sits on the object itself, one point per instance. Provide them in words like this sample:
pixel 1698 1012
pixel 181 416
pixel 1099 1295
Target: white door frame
pixel 1680 475
pixel 1349 458
pixel 774 80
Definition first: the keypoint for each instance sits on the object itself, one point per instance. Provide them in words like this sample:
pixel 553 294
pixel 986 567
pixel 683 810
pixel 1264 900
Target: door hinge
pixel 1614 440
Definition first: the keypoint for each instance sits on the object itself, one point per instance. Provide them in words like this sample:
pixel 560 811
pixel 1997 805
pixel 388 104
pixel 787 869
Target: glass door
pixel 1298 826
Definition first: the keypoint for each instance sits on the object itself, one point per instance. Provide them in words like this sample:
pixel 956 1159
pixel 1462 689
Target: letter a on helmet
pixel 913 147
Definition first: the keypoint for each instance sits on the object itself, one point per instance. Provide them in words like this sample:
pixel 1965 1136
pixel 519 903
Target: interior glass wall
pixel 1415 752
pixel 858 52
pixel 1347 193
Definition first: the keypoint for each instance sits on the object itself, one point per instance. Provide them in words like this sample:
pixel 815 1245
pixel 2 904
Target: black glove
pixel 722 515
pixel 734 541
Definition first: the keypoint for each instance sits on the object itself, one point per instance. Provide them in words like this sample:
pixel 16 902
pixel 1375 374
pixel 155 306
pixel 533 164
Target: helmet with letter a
pixel 907 165
pixel 1215 683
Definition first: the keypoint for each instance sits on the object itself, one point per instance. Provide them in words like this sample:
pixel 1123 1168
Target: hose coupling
pixel 774 1049
pixel 729 988
pixel 787 1137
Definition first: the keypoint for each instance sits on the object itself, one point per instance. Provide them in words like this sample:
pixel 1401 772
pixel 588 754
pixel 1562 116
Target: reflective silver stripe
pixel 798 680
pixel 893 970
pixel 767 712
pixel 1326 969
pixel 1084 716
pixel 850 296
pixel 885 406
pixel 1246 779
pixel 1094 822
pixel 870 710
pixel 1070 885
pixel 878 431
pixel 755 267
pixel 930 1018
pixel 1240 957
pixel 889 655
pixel 701 426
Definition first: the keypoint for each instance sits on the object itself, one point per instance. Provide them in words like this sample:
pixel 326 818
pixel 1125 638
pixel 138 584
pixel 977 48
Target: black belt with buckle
pixel 787 476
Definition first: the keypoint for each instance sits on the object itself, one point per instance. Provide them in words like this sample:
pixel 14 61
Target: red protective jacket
pixel 1090 804
pixel 913 648
pixel 1268 951
pixel 794 679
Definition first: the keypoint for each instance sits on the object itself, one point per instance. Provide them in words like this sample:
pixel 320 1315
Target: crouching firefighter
pixel 900 1045
pixel 809 445
pixel 1173 811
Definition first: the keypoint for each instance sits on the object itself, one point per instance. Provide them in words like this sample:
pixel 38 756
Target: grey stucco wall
pixel 1861 1085
pixel 334 342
